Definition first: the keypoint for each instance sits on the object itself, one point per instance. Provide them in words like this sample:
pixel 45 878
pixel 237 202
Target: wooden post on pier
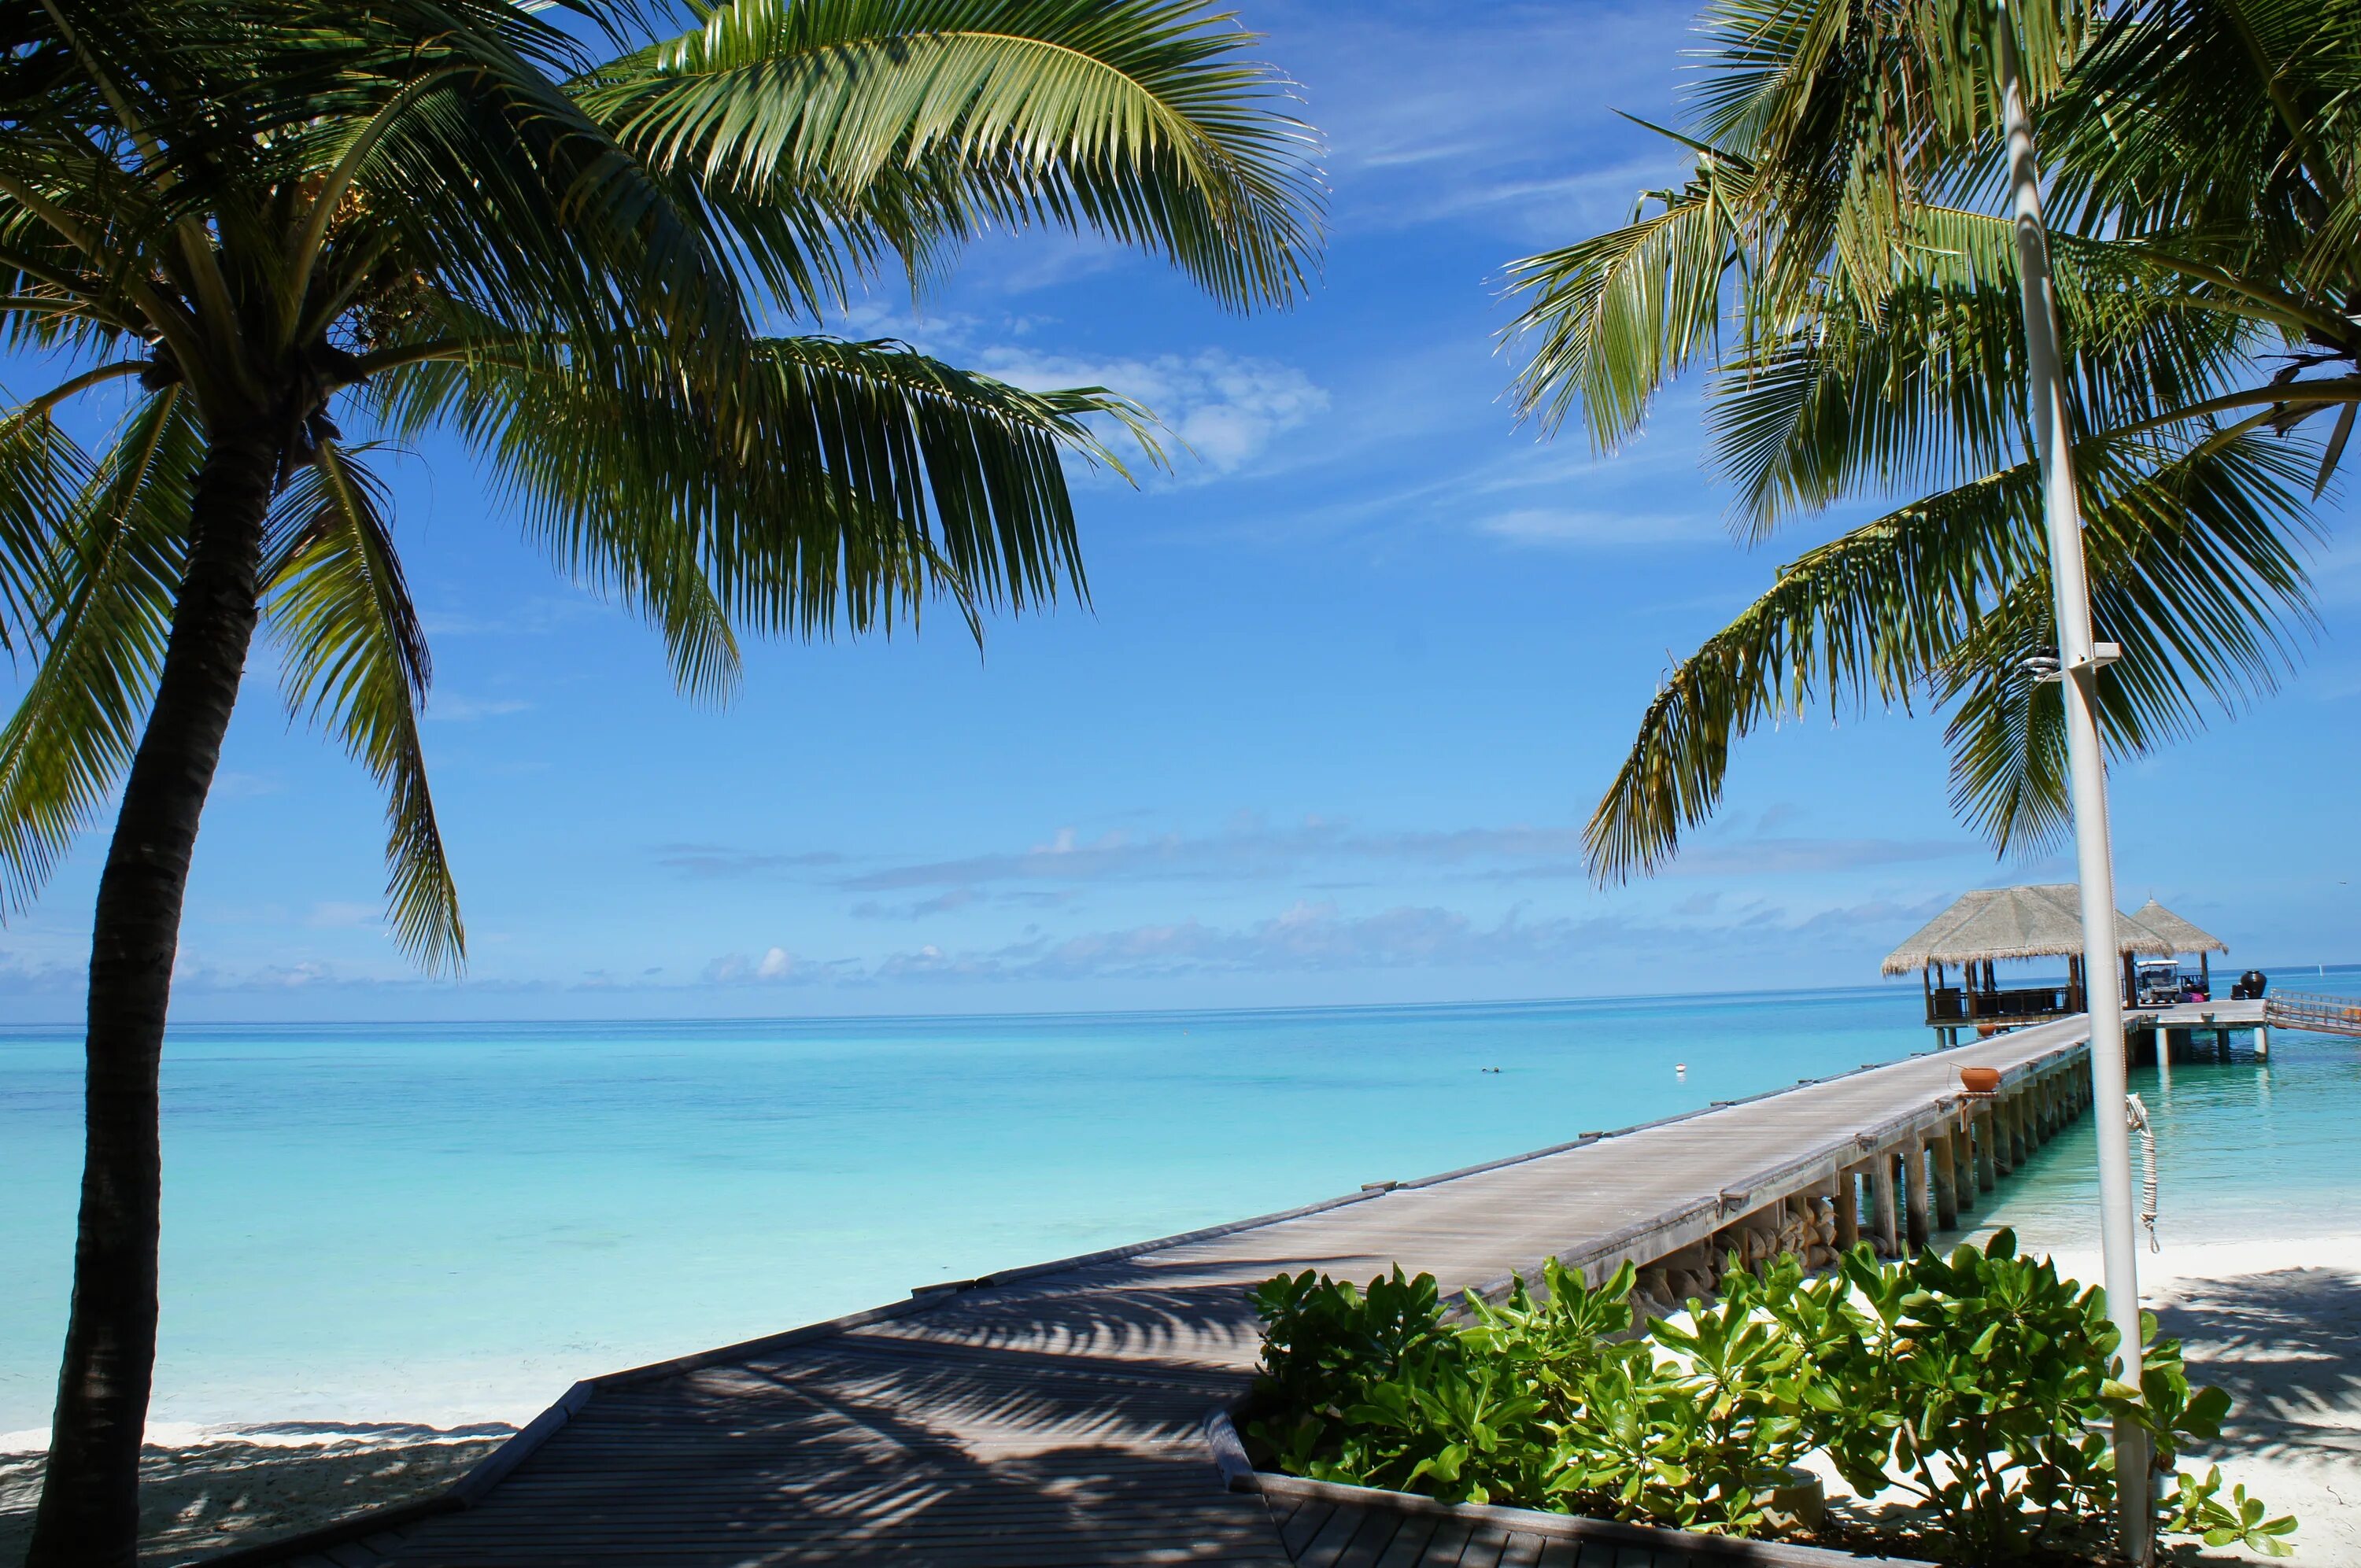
pixel 1940 1155
pixel 1913 1193
pixel 1987 1166
pixel 2003 1151
pixel 2020 1143
pixel 1848 1207
pixel 2263 1041
pixel 1881 1198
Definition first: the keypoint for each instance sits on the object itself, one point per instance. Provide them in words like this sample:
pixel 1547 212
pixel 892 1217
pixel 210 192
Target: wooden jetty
pixel 2320 1014
pixel 1058 1414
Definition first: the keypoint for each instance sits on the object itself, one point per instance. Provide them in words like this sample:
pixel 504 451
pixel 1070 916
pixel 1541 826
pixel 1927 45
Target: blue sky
pixel 1353 676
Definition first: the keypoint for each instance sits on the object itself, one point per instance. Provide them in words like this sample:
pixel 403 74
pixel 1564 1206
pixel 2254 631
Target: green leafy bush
pixel 1975 1384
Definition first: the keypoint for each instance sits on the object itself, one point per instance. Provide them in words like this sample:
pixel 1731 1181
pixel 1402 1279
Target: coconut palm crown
pixel 259 240
pixel 1840 266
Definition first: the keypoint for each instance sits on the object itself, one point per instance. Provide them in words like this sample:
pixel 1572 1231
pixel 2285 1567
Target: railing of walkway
pixel 2304 1010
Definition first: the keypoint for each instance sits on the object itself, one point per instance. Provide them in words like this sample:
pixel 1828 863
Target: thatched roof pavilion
pixel 2184 937
pixel 1996 925
pixel 2041 921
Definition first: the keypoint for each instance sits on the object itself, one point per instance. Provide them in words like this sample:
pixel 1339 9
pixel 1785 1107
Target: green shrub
pixel 1974 1384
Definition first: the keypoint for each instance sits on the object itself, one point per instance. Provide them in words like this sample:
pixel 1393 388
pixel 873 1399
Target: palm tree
pixel 1840 266
pixel 559 231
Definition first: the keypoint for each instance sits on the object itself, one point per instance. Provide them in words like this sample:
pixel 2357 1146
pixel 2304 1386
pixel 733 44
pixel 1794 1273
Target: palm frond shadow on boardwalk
pixel 1021 1426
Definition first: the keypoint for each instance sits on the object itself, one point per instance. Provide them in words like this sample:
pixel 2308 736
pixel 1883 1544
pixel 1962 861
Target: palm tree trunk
pixel 89 1513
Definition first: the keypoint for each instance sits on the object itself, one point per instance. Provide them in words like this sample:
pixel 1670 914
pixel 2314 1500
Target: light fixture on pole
pixel 2079 660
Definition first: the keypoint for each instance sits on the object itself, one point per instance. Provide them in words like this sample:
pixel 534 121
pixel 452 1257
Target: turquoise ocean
pixel 449 1223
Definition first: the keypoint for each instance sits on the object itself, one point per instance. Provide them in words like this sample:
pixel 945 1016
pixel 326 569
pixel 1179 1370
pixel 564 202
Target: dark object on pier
pixel 2248 987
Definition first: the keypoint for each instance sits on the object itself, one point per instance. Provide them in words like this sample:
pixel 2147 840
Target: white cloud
pixel 776 966
pixel 1576 528
pixel 1250 852
pixel 1227 409
pixel 464 709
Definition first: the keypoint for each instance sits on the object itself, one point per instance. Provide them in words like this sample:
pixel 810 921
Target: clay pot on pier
pixel 1980 1080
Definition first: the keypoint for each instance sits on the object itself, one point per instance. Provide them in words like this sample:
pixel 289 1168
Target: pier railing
pixel 2306 1010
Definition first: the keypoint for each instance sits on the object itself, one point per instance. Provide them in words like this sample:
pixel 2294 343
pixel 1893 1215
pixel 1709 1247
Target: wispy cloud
pixel 1312 851
pixel 467 709
pixel 1227 408
pixel 1579 528
pixel 773 965
pixel 722 860
pixel 1312 937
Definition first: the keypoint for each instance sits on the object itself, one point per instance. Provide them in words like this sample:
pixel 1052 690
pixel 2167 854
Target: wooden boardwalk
pixel 1056 1415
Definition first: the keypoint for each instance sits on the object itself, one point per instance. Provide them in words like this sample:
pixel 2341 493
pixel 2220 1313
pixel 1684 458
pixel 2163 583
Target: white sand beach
pixel 2277 1323
pixel 202 1493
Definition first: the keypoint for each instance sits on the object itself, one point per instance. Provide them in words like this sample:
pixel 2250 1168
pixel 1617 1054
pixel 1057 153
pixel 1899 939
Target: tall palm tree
pixel 559 231
pixel 1840 267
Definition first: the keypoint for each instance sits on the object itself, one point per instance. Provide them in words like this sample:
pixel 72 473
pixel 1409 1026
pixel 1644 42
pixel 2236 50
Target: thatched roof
pixel 2184 937
pixel 2038 922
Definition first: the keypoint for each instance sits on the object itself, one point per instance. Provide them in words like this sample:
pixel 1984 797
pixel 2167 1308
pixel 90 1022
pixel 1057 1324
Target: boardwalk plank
pixel 1407 1547
pixel 1300 1531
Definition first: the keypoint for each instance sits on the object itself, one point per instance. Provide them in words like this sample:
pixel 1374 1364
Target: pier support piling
pixel 1939 1155
pixel 1847 1203
pixel 1913 1193
pixel 1881 1216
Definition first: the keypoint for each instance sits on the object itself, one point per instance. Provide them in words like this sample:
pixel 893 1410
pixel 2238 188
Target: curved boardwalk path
pixel 1055 1416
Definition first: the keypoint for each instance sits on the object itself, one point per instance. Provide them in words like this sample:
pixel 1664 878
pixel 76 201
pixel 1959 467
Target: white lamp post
pixel 2080 660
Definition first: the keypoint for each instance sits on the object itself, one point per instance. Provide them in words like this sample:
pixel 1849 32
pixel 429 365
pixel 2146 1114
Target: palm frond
pixel 114 566
pixel 2191 566
pixel 835 486
pixel 918 121
pixel 41 468
pixel 356 663
pixel 1924 385
pixel 1609 320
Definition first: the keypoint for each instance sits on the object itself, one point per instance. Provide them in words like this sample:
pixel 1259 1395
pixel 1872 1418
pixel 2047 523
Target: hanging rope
pixel 2135 1113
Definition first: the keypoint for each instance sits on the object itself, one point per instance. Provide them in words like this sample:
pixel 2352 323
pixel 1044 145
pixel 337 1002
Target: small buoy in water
pixel 1489 1069
pixel 1680 1070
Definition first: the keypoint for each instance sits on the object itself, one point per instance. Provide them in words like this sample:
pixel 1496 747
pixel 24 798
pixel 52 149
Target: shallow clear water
pixel 2246 1149
pixel 452 1222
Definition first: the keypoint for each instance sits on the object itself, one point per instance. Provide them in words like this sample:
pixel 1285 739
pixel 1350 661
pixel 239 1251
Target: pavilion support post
pixel 1939 1155
pixel 1913 1194
pixel 1848 1207
pixel 2263 1041
pixel 1882 1219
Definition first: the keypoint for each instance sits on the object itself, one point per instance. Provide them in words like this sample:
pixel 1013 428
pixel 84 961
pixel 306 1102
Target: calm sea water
pixel 452 1222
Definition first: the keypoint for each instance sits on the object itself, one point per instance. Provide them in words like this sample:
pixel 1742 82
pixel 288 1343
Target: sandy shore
pixel 226 1490
pixel 2277 1323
